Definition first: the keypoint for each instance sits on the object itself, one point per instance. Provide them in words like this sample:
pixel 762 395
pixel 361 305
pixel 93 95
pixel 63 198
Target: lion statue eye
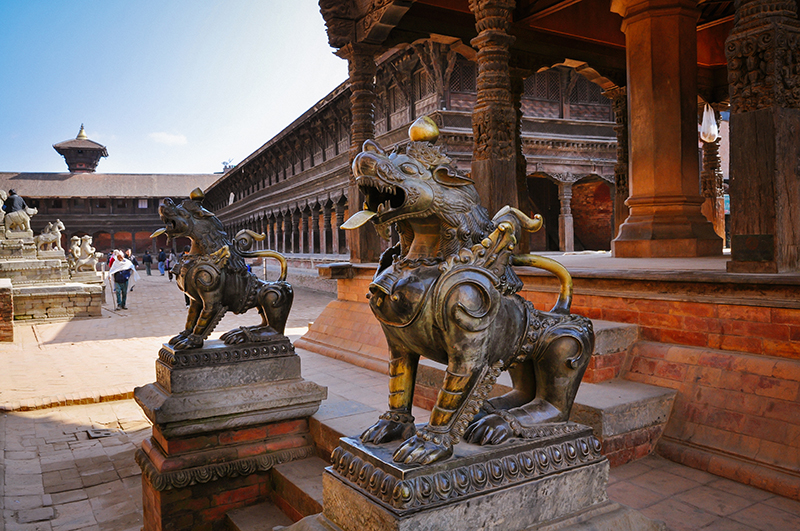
pixel 409 168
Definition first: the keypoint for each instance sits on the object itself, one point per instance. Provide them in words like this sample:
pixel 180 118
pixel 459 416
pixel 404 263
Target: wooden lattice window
pixel 463 77
pixel 543 86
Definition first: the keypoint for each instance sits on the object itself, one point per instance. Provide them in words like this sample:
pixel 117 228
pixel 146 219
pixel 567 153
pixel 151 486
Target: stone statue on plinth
pixel 16 216
pixel 214 276
pixel 48 243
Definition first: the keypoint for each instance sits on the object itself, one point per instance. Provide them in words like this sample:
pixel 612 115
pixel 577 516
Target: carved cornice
pixel 439 487
pixel 179 479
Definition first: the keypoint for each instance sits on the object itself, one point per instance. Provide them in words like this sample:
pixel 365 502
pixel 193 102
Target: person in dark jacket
pixel 162 261
pixel 147 260
pixel 13 202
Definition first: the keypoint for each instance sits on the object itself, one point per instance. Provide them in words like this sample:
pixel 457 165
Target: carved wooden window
pixel 543 86
pixel 585 91
pixel 422 84
pixel 56 203
pixel 464 76
pixel 101 203
pixel 79 203
pixel 142 203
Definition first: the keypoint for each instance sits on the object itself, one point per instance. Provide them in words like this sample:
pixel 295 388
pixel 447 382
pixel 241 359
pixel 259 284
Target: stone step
pixel 297 487
pixel 262 517
pixel 628 417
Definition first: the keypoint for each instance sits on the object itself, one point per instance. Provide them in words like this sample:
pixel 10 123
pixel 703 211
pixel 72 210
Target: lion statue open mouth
pixel 448 292
pixel 214 276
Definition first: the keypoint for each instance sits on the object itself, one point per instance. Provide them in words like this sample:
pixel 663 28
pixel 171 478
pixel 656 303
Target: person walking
pixel 171 261
pixel 147 260
pixel 121 270
pixel 162 259
pixel 130 256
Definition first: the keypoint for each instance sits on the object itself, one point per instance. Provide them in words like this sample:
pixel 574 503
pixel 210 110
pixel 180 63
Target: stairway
pixel 628 418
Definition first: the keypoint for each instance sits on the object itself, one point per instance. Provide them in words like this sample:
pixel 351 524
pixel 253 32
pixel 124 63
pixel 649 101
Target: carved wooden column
pixel 283 233
pixel 619 102
pixel 493 118
pixel 763 52
pixel 327 231
pixel 295 234
pixel 303 231
pixel 665 217
pixel 365 245
pixel 340 243
pixel 518 76
pixel 566 230
pixel 711 180
pixel 314 247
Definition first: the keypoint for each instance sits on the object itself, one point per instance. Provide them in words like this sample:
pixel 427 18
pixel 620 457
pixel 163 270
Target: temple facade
pixel 296 187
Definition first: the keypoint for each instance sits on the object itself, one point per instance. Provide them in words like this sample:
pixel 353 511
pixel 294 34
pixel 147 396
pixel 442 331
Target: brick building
pixel 117 210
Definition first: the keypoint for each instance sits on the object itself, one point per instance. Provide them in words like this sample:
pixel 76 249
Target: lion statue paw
pixel 422 449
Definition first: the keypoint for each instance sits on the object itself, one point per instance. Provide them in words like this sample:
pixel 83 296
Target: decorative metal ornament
pixel 447 291
pixel 214 276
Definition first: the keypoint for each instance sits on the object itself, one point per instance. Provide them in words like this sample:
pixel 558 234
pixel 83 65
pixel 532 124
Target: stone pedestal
pixel 18 248
pixel 222 416
pixel 556 481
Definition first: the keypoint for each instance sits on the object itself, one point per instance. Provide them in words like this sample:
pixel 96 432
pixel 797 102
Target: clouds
pixel 168 139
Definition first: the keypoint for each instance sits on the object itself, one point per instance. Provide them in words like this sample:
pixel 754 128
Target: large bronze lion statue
pixel 447 291
pixel 214 276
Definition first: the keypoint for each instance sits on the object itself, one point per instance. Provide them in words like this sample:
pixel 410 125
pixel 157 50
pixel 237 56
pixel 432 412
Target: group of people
pixel 122 267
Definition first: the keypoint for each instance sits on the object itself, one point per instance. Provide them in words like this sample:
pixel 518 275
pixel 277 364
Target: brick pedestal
pixel 223 417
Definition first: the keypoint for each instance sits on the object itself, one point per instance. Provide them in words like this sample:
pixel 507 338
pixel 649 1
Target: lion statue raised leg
pixel 448 292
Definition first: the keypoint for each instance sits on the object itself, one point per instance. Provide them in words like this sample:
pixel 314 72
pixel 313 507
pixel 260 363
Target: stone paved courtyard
pixel 71 467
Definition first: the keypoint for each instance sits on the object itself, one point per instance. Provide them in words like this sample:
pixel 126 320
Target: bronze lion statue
pixel 448 292
pixel 214 276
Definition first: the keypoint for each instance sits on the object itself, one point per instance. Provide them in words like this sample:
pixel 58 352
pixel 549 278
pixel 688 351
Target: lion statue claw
pixel 448 292
pixel 214 276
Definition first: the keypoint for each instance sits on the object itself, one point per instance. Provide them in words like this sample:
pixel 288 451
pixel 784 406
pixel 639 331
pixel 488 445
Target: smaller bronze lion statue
pixel 214 276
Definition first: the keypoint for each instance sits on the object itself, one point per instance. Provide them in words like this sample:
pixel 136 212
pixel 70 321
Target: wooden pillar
pixel 294 244
pixel 566 231
pixel 314 234
pixel 619 102
pixel 763 72
pixel 521 164
pixel 327 231
pixel 365 245
pixel 494 119
pixel 339 236
pixel 304 229
pixel 665 203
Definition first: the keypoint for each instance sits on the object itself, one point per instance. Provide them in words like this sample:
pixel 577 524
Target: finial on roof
pixel 82 134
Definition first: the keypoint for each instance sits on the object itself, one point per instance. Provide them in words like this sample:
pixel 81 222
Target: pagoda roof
pixel 80 143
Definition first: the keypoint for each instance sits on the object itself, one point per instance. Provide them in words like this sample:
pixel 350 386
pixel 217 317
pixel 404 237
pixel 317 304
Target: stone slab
pixel 183 380
pixel 610 337
pixel 620 406
pixel 204 411
pixel 262 517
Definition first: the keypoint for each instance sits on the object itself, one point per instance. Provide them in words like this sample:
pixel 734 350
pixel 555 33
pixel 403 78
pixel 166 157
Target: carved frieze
pixel 763 53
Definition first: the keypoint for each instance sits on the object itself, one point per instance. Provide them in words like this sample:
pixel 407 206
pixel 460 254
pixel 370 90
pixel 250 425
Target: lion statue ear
pixel 371 145
pixel 447 176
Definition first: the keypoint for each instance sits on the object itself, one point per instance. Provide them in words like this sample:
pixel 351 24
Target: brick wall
pixel 6 311
pixel 593 214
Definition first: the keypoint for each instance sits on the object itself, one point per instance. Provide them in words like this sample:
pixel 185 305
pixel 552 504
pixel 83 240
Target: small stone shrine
pixel 224 411
pixel 43 286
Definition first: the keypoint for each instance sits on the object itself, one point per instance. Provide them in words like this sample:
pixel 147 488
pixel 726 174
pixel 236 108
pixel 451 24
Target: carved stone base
pixel 223 417
pixel 53 254
pixel 87 277
pixel 17 249
pixel 553 482
pixel 19 234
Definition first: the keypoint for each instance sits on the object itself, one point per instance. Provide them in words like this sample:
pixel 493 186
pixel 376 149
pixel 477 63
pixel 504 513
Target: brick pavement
pixel 55 477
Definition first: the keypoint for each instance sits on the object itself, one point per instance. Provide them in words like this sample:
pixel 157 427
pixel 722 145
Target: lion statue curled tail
pixel 448 292
pixel 214 276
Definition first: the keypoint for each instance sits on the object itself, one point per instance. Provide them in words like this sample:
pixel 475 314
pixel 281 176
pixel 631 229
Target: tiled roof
pixel 63 185
pixel 79 143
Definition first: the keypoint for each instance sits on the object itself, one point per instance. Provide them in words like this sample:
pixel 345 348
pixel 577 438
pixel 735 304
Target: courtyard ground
pixel 71 467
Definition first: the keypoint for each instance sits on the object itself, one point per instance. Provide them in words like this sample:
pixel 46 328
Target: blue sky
pixel 168 86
